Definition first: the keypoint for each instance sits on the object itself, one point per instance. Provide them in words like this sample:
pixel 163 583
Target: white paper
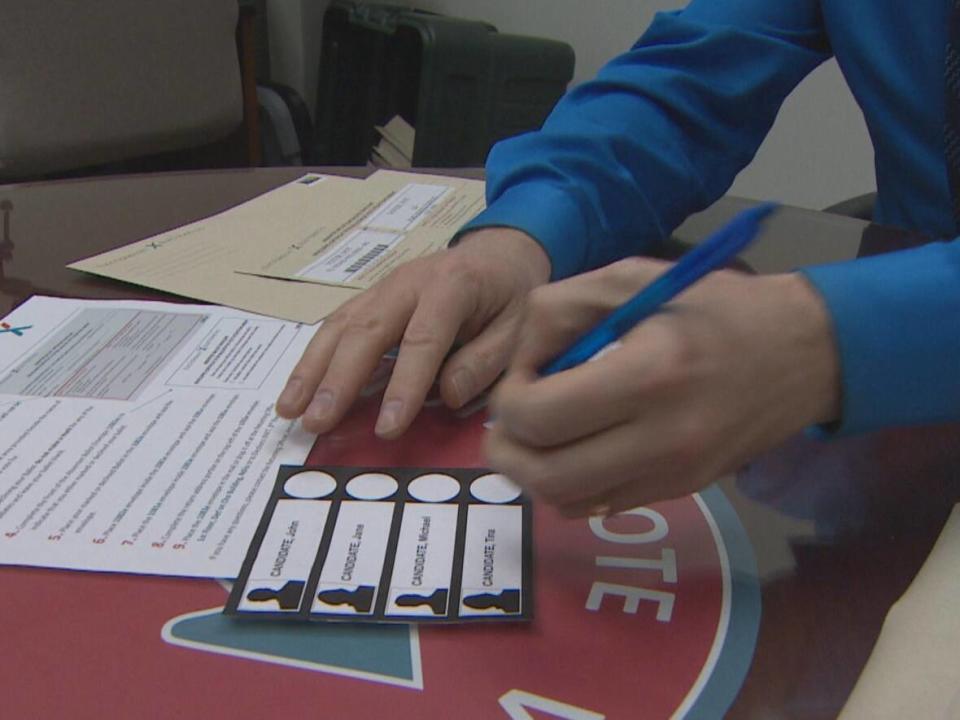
pixel 139 436
pixel 913 669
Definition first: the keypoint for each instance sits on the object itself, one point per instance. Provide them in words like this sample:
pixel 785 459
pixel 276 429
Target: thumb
pixel 556 315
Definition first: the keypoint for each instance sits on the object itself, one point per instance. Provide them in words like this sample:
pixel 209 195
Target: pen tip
pixel 762 210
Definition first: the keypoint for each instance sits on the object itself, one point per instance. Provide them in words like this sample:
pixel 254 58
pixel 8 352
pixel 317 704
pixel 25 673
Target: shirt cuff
pixel 548 216
pixel 896 321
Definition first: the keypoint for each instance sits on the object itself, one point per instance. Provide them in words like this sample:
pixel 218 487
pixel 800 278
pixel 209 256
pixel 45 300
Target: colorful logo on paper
pixel 18 331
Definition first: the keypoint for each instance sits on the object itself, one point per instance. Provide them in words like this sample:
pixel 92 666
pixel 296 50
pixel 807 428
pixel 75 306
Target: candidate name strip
pixel 492 581
pixel 279 574
pixel 423 565
pixel 350 578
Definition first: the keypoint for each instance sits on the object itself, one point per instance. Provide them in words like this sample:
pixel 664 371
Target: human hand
pixel 730 368
pixel 471 293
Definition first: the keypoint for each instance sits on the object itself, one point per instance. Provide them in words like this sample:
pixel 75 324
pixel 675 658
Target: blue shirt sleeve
pixel 660 133
pixel 897 326
pixel 664 128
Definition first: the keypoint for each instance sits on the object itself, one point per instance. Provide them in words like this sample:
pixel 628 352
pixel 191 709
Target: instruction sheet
pixel 140 436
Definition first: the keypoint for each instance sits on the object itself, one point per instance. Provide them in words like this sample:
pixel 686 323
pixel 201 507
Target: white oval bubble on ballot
pixel 434 488
pixel 372 486
pixel 494 488
pixel 310 485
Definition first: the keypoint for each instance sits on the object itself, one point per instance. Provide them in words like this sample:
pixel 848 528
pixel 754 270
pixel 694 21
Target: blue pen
pixel 711 254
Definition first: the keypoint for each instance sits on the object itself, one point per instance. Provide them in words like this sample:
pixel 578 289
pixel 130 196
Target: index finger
pixel 341 356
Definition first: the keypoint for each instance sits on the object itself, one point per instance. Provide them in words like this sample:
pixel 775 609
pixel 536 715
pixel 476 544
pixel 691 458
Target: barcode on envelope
pixel 370 255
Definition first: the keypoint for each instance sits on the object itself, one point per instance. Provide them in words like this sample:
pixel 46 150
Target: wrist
pixel 813 349
pixel 524 252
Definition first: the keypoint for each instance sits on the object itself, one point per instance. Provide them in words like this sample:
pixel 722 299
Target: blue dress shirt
pixel 663 129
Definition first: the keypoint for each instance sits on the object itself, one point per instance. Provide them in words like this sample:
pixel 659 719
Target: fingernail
pixel 462 381
pixel 291 393
pixel 389 417
pixel 320 406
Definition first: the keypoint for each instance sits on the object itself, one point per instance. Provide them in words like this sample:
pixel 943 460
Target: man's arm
pixel 623 159
pixel 896 321
pixel 659 134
